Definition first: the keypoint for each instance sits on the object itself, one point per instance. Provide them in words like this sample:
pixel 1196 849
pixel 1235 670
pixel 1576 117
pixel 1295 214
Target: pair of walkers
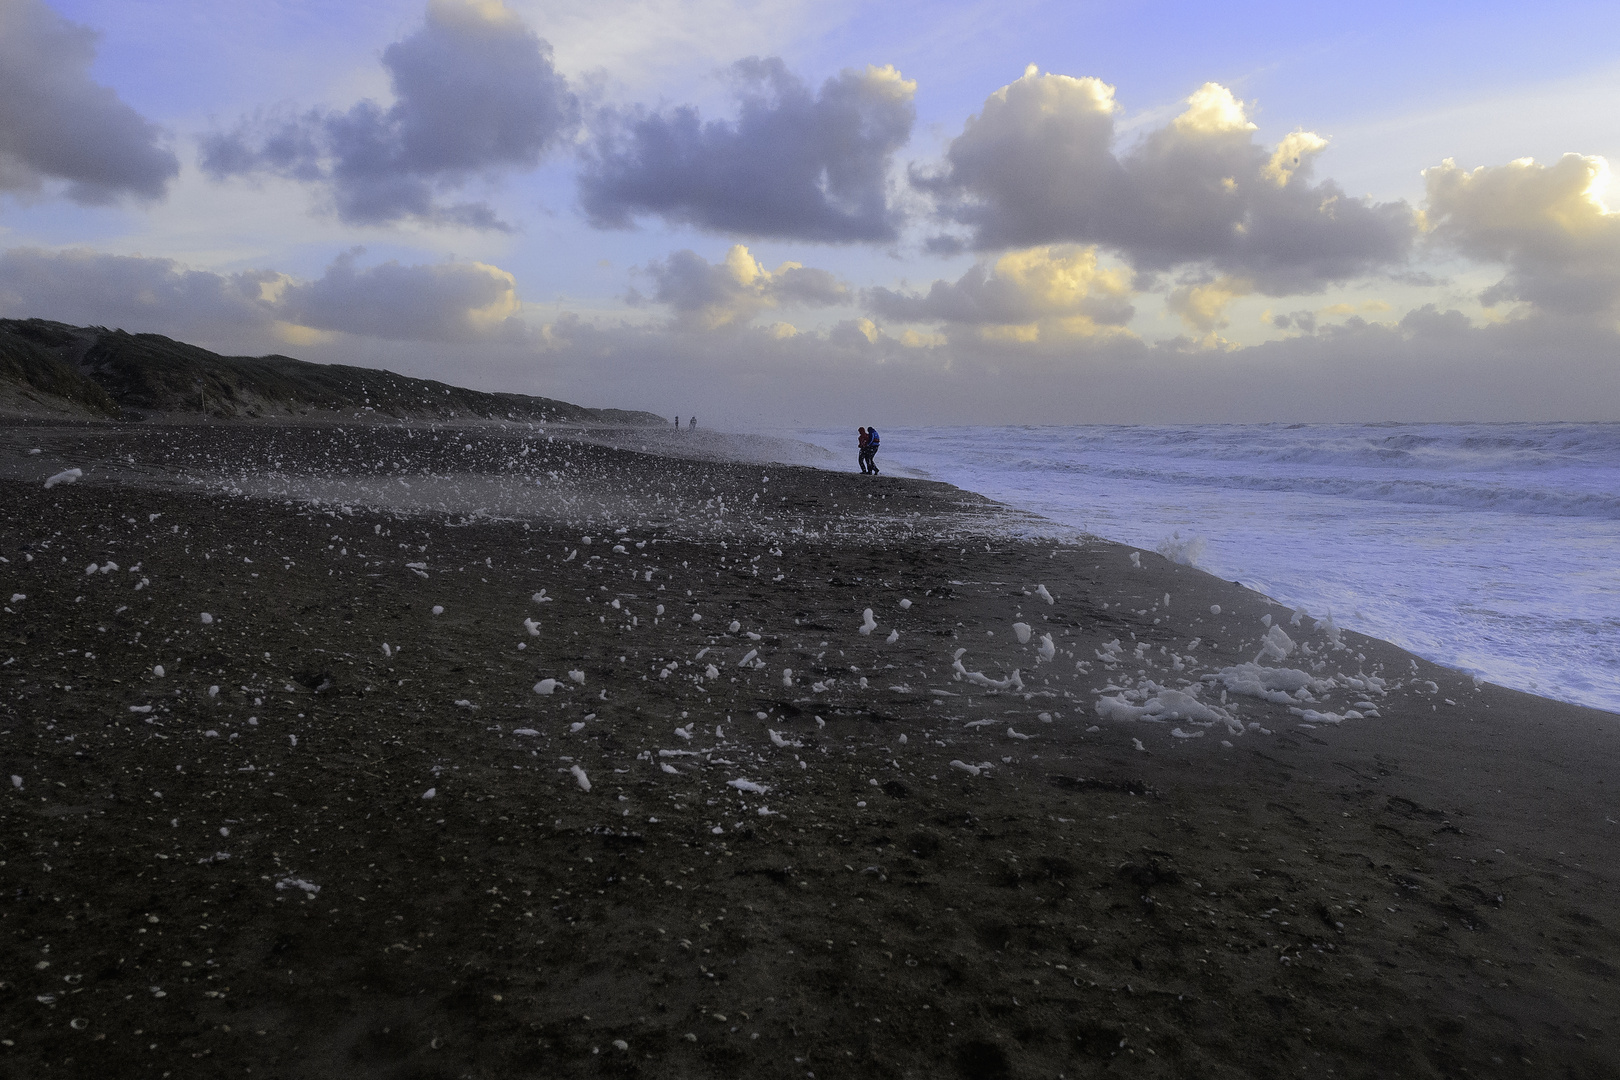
pixel 868 444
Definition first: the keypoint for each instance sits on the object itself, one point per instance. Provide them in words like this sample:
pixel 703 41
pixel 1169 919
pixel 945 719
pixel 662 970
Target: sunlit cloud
pixel 1047 292
pixel 1202 307
pixel 1547 224
pixel 711 296
pixel 1041 163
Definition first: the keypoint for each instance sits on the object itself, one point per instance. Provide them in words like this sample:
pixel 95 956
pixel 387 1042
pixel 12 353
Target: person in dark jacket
pixel 871 451
pixel 861 444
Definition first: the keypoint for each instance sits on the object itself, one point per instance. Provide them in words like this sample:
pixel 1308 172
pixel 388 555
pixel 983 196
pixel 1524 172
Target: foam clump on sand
pixel 1280 685
pixel 1312 716
pixel 1329 628
pixel 1162 703
pixel 979 678
pixel 1188 552
pixel 1276 645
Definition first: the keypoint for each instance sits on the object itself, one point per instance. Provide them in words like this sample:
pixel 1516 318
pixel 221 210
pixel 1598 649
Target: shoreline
pixel 1492 567
pixel 1423 891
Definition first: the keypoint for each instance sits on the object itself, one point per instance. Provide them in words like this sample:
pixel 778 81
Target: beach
pixel 508 750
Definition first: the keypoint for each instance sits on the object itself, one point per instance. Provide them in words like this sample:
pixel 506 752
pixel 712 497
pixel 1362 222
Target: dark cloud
pixel 446 302
pixel 475 94
pixel 708 296
pixel 1545 223
pixel 1040 164
pixel 58 124
pixel 457 301
pixel 809 286
pixel 1430 323
pixel 793 165
pixel 128 291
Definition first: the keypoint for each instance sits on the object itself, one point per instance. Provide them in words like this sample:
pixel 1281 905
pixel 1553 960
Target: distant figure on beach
pixel 677 423
pixel 691 423
pixel 871 451
pixel 861 445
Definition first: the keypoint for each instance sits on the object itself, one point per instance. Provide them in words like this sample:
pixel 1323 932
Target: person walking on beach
pixel 861 447
pixel 870 459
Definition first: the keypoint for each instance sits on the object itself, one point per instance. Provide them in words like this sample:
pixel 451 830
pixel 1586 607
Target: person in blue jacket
pixel 869 460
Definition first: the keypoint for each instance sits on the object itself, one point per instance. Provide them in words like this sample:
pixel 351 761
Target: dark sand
pixel 1428 892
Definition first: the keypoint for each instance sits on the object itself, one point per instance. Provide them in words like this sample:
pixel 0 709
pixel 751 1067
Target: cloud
pixel 1044 292
pixel 1202 307
pixel 1040 164
pixel 128 291
pixel 475 94
pixel 709 296
pixel 1546 223
pixel 454 301
pixel 1303 321
pixel 1432 365
pixel 1296 148
pixel 1306 322
pixel 792 165
pixel 56 123
pixel 445 302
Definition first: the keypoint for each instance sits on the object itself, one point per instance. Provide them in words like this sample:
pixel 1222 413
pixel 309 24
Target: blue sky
pixel 571 199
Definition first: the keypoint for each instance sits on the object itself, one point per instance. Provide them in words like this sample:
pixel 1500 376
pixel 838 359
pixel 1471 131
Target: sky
pixel 779 214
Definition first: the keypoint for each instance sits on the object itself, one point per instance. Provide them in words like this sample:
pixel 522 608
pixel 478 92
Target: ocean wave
pixel 1559 470
pixel 1409 491
pixel 1448 448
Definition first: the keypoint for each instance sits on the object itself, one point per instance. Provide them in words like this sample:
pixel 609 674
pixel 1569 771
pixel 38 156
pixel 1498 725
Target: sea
pixel 1489 548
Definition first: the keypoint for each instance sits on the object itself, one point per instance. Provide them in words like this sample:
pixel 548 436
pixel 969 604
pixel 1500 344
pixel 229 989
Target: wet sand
pixel 255 881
